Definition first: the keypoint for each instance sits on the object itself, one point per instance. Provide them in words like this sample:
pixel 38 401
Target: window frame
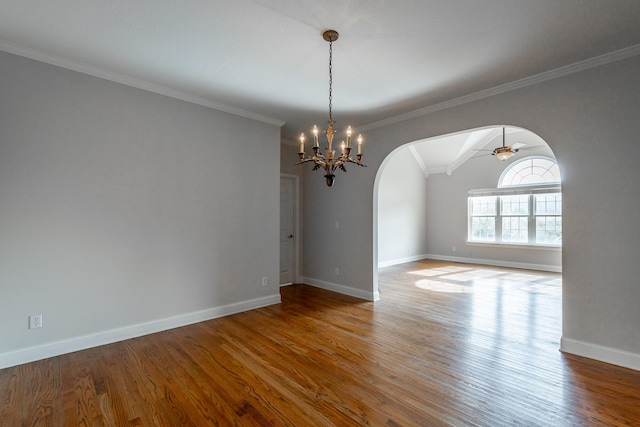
pixel 552 168
pixel 471 216
pixel 531 216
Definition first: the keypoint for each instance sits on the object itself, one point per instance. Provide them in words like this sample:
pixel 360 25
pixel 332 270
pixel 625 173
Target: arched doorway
pixel 421 200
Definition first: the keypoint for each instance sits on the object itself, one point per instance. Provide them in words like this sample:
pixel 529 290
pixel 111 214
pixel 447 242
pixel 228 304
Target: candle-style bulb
pixel 302 143
pixel 315 136
pixel 349 131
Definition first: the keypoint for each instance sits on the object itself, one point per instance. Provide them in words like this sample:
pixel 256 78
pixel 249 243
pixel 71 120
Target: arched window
pixel 530 171
pixel 525 209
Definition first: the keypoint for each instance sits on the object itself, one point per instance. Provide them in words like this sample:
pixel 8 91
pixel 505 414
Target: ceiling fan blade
pixel 482 155
pixel 513 149
pixel 531 147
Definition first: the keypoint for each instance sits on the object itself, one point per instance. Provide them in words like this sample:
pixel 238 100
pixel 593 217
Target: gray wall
pixel 402 210
pixel 346 247
pixel 288 160
pixel 590 120
pixel 119 207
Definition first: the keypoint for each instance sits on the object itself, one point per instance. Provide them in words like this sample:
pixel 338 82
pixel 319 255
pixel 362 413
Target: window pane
pixel 515 205
pixel 515 229
pixel 483 205
pixel 549 230
pixel 483 229
pixel 511 176
pixel 548 204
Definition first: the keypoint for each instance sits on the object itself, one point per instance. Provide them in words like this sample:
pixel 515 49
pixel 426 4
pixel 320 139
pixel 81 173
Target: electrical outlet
pixel 453 249
pixel 337 271
pixel 264 281
pixel 35 321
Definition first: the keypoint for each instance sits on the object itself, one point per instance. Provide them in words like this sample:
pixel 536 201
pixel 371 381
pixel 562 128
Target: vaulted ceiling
pixel 266 58
pixel 447 153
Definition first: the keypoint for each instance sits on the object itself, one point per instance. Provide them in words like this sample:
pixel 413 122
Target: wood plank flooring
pixel 447 345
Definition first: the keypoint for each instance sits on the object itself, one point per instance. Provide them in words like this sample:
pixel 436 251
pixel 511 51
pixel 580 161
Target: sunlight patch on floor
pixel 461 279
pixel 552 282
pixel 438 271
pixel 438 286
pixel 520 277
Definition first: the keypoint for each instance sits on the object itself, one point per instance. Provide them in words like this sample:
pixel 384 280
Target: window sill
pixel 515 246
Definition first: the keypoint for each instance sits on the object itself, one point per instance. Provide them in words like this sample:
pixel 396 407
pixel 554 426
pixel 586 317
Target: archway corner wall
pixel 576 115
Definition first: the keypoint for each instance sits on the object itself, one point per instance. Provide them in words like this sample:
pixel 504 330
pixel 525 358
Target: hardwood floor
pixel 447 344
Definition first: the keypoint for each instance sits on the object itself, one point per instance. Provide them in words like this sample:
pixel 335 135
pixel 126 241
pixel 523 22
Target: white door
pixel 287 226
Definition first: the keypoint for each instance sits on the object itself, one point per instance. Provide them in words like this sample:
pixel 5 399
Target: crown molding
pixel 59 61
pixel 105 74
pixel 566 70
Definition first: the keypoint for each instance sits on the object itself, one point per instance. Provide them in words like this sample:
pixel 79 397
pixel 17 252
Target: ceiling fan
pixel 504 152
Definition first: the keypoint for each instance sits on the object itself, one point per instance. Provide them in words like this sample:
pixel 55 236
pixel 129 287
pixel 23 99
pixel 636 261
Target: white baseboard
pixel 601 353
pixel 397 261
pixel 497 263
pixel 107 337
pixel 341 289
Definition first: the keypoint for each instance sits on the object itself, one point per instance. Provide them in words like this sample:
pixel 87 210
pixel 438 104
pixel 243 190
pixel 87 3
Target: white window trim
pixel 518 162
pixel 509 191
pixel 531 190
pixel 555 248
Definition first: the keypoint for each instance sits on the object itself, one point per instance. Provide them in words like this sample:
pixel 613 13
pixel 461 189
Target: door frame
pixel 297 229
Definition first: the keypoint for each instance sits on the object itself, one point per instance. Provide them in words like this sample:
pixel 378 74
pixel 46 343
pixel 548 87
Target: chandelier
pixel 328 161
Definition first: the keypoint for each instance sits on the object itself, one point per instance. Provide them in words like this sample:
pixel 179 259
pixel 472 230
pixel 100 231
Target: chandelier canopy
pixel 328 161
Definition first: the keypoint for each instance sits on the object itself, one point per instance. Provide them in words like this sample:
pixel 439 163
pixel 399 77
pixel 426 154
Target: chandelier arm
pixel 356 161
pixel 304 161
pixel 318 160
pixel 348 159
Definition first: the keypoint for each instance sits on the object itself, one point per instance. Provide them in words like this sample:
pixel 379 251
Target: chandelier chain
pixel 330 81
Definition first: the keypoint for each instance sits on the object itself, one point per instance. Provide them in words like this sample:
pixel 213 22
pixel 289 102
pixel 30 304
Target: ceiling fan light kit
pixel 328 161
pixel 506 151
pixel 502 153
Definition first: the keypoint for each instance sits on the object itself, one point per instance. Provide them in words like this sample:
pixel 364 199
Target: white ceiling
pixel 267 59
